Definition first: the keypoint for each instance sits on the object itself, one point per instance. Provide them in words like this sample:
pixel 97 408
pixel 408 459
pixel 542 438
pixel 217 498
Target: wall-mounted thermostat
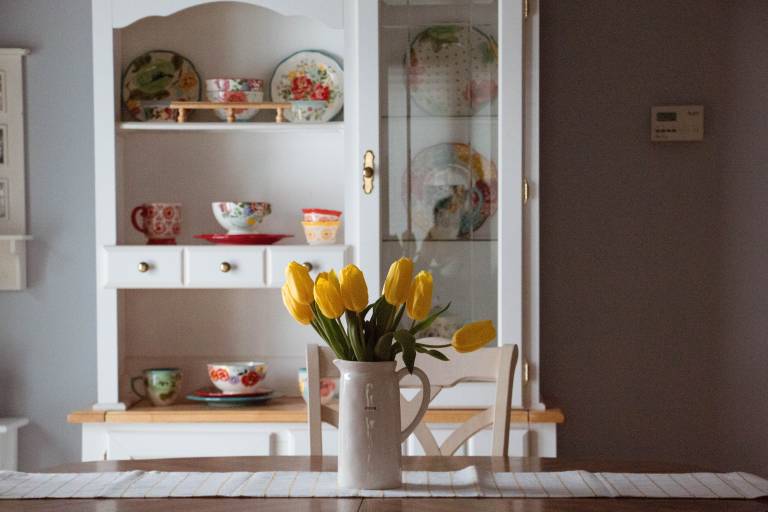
pixel 677 123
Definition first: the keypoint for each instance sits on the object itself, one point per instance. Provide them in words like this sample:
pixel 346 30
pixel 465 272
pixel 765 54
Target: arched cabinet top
pixel 329 12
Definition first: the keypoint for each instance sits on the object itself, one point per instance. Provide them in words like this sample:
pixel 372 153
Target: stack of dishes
pixel 236 384
pixel 235 90
pixel 321 226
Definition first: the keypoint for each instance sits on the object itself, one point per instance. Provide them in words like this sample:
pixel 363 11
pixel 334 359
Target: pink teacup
pixel 160 222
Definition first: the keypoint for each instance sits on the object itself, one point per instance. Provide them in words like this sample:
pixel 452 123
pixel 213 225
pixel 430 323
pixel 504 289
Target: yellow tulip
pixel 398 281
pixel 473 336
pixel 302 313
pixel 419 301
pixel 299 283
pixel 334 279
pixel 328 296
pixel 354 291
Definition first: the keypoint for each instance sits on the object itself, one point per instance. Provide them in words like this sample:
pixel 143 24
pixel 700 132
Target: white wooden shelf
pixel 263 127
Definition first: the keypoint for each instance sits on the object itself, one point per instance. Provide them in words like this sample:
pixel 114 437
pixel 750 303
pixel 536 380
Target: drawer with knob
pixel 316 258
pixel 224 267
pixel 142 267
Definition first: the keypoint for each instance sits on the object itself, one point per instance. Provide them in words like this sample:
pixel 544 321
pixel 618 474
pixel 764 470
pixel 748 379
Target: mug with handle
pixel 160 222
pixel 161 385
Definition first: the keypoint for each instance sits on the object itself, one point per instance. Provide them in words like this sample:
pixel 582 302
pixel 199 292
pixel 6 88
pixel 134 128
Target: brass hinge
pixel 526 191
pixel 526 372
pixel 525 10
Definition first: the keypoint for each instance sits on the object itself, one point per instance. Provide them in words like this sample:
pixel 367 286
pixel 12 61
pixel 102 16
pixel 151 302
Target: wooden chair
pixel 487 365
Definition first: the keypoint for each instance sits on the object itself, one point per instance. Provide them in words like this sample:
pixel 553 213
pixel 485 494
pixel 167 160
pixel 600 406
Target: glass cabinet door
pixel 447 137
pixel 438 150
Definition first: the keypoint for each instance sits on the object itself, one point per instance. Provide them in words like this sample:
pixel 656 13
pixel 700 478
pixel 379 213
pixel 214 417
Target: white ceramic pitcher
pixel 370 434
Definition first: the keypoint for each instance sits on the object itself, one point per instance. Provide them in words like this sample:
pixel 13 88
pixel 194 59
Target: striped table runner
pixel 469 482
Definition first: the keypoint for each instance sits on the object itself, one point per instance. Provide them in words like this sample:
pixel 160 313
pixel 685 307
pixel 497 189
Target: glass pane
pixel 439 63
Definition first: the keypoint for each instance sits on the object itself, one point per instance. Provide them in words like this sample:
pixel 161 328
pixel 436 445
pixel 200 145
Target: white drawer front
pixel 321 258
pixel 224 267
pixel 123 267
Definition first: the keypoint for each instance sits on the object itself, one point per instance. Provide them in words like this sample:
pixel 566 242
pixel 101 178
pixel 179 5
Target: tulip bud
pixel 419 301
pixel 473 336
pixel 398 281
pixel 328 296
pixel 354 291
pixel 302 313
pixel 299 283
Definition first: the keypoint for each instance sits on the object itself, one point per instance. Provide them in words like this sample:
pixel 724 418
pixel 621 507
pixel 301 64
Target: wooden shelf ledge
pixel 281 410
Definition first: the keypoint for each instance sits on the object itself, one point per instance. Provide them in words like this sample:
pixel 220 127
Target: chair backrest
pixel 489 365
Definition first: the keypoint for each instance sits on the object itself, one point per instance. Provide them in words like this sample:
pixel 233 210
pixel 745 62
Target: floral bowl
pixel 320 215
pixel 234 84
pixel 240 218
pixel 241 114
pixel 305 110
pixel 329 387
pixel 237 377
pixel 321 233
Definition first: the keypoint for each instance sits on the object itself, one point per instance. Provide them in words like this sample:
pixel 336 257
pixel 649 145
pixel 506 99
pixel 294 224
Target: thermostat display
pixel 677 123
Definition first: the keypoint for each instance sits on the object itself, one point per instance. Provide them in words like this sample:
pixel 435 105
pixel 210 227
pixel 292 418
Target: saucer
pixel 249 239
pixel 211 392
pixel 233 400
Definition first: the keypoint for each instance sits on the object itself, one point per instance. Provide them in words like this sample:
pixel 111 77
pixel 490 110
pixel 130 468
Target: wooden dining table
pixel 226 464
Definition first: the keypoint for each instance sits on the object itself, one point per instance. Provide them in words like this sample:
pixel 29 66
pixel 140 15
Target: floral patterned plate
pixel 233 401
pixel 453 70
pixel 454 189
pixel 154 79
pixel 309 76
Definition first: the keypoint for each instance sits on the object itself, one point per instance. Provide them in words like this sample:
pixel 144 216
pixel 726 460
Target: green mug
pixel 161 385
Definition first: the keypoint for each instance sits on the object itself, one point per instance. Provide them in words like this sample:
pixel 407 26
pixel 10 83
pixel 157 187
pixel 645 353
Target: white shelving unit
pixel 182 310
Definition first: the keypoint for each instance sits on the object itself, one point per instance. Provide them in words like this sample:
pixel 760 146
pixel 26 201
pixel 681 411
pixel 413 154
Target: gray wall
pixel 47 333
pixel 654 255
pixel 654 260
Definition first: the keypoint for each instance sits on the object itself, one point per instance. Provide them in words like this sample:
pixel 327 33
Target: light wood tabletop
pixel 369 504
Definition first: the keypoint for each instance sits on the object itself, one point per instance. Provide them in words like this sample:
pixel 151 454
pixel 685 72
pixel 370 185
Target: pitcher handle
pixel 426 392
pixel 140 228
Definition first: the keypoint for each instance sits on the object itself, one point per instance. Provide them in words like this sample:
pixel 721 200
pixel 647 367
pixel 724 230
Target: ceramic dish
pixel 240 217
pixel 252 239
pixel 241 114
pixel 211 392
pixel 233 401
pixel 320 215
pixel 452 70
pixel 158 76
pixel 453 191
pixel 309 76
pixel 329 388
pixel 234 84
pixel 237 377
pixel 321 233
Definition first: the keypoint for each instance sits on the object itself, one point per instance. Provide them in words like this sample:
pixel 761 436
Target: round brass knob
pixel 225 266
pixel 143 267
pixel 308 266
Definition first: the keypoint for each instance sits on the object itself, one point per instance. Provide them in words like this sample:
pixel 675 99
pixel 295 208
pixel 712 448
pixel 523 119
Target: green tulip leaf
pixel 424 324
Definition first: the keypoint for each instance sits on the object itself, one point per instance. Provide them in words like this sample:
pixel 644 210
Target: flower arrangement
pixel 373 332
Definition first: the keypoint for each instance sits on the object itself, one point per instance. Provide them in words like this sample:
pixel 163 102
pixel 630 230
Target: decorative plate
pixel 211 392
pixel 250 239
pixel 154 79
pixel 233 401
pixel 310 76
pixel 453 70
pixel 454 189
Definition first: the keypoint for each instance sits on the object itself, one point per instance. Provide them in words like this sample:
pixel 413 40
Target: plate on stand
pixel 250 239
pixel 309 76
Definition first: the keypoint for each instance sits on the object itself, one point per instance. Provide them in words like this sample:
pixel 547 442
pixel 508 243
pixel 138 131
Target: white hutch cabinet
pixel 453 167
